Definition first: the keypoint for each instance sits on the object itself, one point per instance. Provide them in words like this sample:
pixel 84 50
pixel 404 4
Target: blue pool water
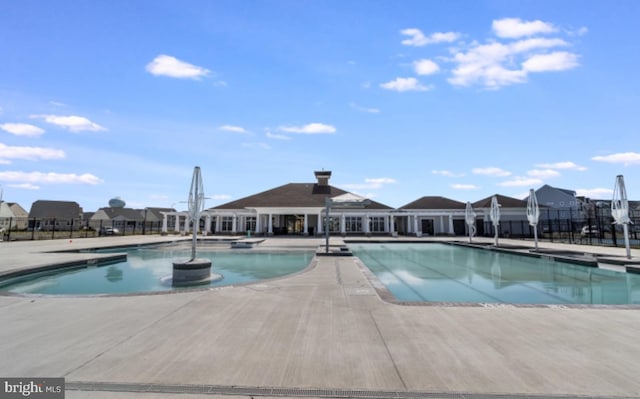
pixel 144 268
pixel 450 273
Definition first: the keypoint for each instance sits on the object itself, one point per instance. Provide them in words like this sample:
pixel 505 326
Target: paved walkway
pixel 325 330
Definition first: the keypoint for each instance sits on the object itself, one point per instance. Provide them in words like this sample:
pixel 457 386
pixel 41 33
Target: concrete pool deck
pixel 324 331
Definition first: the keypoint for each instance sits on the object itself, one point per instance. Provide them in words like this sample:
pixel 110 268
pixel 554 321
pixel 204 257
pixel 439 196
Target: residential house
pixel 120 218
pixel 58 215
pixel 12 216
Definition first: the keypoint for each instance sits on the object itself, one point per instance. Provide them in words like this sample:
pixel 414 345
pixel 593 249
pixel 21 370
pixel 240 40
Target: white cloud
pixel 491 171
pixel 418 38
pixel 220 83
pixel 512 28
pixel 492 64
pixel 311 128
pixel 364 109
pixel 446 173
pixel 380 180
pixel 556 61
pixel 583 30
pixel 166 65
pixel 25 186
pixel 405 84
pixel 220 197
pixel 464 186
pixel 22 129
pixel 29 153
pixel 600 193
pixel 543 173
pixel 425 67
pixel 626 158
pixel 72 123
pixel 275 136
pixel 519 181
pixel 231 128
pixel 50 178
pixel 562 165
pixel 370 184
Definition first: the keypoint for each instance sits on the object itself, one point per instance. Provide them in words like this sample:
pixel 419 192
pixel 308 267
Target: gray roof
pixel 156 213
pixel 123 213
pixel 55 209
pixel 434 202
pixel 292 195
pixel 503 200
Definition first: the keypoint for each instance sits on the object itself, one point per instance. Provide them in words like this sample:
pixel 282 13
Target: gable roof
pixel 156 213
pixel 434 202
pixel 122 213
pixel 55 209
pixel 292 195
pixel 503 200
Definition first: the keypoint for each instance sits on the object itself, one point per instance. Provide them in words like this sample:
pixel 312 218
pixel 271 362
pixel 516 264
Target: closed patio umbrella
pixel 470 218
pixel 495 216
pixel 533 214
pixel 620 210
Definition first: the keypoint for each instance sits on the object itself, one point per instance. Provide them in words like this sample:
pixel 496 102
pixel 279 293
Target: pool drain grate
pixel 300 392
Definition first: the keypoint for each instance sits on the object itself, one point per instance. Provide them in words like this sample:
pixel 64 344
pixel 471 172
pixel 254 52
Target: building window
pixel 353 224
pixel 377 224
pixel 334 224
pixel 227 223
pixel 561 203
pixel 250 223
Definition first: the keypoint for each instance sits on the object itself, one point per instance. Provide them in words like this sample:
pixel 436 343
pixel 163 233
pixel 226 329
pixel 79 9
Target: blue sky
pixel 399 99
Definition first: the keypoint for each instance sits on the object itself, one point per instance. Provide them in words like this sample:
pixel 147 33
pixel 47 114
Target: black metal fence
pixel 18 229
pixel 592 228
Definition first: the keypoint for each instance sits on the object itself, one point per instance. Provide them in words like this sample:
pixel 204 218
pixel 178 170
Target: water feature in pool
pixel 449 273
pixel 145 267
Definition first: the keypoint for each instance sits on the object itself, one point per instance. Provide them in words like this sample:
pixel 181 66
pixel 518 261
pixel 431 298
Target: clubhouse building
pixel 308 209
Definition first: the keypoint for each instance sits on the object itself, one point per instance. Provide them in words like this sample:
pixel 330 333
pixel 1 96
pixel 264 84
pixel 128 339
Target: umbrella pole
pixel 626 240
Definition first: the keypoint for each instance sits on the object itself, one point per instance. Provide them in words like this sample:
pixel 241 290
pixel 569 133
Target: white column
pixel 451 224
pixel 234 223
pixel 391 225
pixel 365 223
pixel 306 225
pixel 165 221
pixel 415 225
pixel 207 224
pixel 441 225
pixel 270 224
pixel 343 225
pixel 320 223
pixel 386 225
pixel 177 227
pixel 186 224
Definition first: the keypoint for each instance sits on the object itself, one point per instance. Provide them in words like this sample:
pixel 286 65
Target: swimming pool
pixel 145 267
pixel 433 272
